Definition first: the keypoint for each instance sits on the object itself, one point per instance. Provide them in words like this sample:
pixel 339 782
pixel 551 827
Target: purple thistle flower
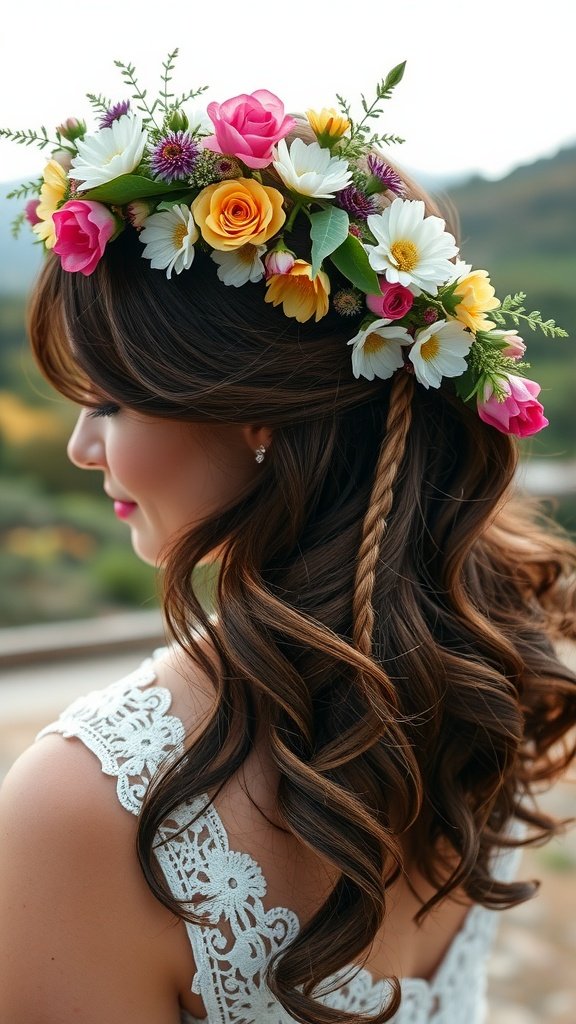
pixel 174 157
pixel 355 202
pixel 113 113
pixel 386 175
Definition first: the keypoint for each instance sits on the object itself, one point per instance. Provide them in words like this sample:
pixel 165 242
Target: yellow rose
pixel 476 296
pixel 234 213
pixel 301 295
pixel 52 193
pixel 328 125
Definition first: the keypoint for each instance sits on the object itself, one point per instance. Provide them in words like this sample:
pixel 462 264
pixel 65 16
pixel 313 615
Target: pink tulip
pixel 248 126
pixel 519 413
pixel 393 302
pixel 82 228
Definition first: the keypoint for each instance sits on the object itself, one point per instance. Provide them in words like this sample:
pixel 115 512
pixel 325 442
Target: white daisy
pixel 438 351
pixel 377 349
pixel 459 270
pixel 309 170
pixel 241 265
pixel 411 248
pixel 169 239
pixel 109 152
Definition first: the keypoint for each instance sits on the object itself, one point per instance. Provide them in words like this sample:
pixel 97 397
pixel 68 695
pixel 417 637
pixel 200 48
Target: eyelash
pixel 106 409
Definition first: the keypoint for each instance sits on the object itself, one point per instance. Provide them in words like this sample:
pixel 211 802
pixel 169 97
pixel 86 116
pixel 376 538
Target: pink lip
pixel 123 509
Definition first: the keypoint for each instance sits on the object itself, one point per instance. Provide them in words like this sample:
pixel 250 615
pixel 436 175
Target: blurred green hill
pixel 523 229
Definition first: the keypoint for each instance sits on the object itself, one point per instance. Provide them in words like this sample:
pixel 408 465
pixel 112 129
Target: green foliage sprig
pixel 100 104
pixel 354 145
pixel 128 72
pixel 28 136
pixel 513 307
pixel 29 188
pixel 166 101
pixel 16 224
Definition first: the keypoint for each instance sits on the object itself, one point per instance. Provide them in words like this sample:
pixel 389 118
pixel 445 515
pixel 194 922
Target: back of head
pixel 383 612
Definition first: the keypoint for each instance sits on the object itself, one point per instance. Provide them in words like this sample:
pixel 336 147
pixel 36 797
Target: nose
pixel 86 448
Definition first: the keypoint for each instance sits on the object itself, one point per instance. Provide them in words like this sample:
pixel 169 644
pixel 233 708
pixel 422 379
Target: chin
pixel 150 554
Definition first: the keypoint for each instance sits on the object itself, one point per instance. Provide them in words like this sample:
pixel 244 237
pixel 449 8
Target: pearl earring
pixel 260 453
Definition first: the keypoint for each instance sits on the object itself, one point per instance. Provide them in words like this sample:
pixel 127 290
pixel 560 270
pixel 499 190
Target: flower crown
pixel 180 179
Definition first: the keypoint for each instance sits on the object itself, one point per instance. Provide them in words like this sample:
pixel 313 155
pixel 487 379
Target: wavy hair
pixel 386 609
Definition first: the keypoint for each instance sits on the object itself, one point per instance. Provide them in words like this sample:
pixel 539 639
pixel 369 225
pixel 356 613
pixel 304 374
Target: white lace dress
pixel 129 728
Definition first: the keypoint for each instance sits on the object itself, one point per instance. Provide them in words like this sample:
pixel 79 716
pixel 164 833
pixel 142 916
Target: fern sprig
pixel 128 72
pixel 100 104
pixel 513 308
pixel 168 67
pixel 28 137
pixel 185 97
pixel 29 188
pixel 17 223
pixel 359 139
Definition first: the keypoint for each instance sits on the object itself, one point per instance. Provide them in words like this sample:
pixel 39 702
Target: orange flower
pixel 301 295
pixel 234 213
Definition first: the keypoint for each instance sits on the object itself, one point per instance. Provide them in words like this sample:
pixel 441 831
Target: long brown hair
pixel 386 610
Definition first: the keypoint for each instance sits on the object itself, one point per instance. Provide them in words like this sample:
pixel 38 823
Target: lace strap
pixel 128 728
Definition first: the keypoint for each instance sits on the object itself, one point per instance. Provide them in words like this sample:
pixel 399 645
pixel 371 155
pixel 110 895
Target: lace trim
pixel 129 729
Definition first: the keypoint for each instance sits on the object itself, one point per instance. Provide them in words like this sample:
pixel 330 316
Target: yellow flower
pixel 476 296
pixel 301 295
pixel 52 194
pixel 328 125
pixel 234 213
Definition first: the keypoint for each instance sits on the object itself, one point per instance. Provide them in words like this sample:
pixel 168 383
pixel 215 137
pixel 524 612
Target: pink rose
pixel 82 229
pixel 519 413
pixel 279 261
pixel 393 302
pixel 248 126
pixel 30 211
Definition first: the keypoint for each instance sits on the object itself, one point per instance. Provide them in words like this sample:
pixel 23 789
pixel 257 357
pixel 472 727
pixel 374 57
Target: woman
pixel 309 805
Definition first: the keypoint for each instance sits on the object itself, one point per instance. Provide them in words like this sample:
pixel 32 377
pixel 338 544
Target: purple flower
pixel 355 202
pixel 386 176
pixel 174 157
pixel 113 113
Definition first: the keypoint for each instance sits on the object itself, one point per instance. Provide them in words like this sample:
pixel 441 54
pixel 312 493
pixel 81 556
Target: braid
pixel 391 453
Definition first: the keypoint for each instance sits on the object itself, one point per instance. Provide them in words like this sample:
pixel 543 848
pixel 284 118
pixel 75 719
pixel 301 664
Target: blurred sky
pixel 488 85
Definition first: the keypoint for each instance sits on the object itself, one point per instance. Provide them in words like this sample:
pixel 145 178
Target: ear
pixel 256 436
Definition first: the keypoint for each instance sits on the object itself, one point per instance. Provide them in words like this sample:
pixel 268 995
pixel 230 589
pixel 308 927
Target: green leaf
pixel 127 187
pixel 394 77
pixel 351 260
pixel 329 229
pixel 167 204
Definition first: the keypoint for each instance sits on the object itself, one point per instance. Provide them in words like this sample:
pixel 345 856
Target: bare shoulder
pixel 76 916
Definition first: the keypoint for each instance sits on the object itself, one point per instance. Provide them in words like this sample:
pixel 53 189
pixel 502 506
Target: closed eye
pixel 106 409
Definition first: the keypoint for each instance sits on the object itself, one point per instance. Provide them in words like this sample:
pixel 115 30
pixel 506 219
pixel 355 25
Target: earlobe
pixel 258 438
